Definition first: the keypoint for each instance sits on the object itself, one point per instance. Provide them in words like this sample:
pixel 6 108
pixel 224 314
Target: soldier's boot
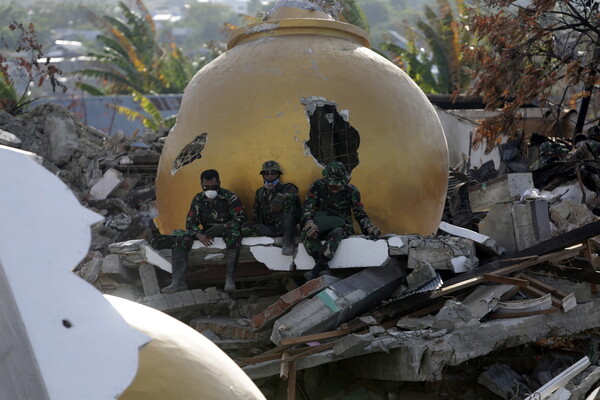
pixel 289 229
pixel 321 268
pixel 179 265
pixel 231 261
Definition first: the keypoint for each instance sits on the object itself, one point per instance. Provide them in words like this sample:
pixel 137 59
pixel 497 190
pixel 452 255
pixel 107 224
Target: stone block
pixel 531 223
pixel 503 189
pixel 422 274
pixel 568 215
pixel 503 381
pixel 9 139
pixel 498 224
pixel 109 182
pixel 62 136
pixel 443 252
pixel 149 280
pixel 114 269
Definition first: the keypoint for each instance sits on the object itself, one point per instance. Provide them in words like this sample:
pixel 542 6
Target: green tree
pixel 132 59
pixel 436 42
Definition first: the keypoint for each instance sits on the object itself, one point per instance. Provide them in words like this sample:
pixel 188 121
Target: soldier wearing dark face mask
pixel 214 212
pixel 327 216
pixel 276 208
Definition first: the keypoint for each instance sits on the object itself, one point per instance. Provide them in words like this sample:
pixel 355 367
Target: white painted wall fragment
pixel 271 256
pixel 151 256
pixel 82 346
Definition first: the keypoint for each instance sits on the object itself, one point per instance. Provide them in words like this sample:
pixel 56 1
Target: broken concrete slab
pixel 421 275
pixel 149 280
pixel 454 315
pixel 153 257
pixel 443 252
pixel 267 317
pixel 271 256
pixel 531 223
pixel 189 300
pixel 485 243
pixel 339 302
pixel 9 139
pixel 503 189
pixel 109 182
pixel 353 252
pixel 398 245
pixel 114 269
pixel 419 358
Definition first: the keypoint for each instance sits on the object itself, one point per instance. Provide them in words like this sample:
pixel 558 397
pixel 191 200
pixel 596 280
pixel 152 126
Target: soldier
pixel 327 215
pixel 276 208
pixel 219 212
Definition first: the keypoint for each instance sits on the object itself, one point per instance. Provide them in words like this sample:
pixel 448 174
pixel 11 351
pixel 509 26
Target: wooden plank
pixel 506 280
pixel 576 236
pixel 522 314
pixel 20 376
pixel 560 380
pixel 543 286
pixel 466 280
pixel 573 273
pixel 291 388
pixel 316 337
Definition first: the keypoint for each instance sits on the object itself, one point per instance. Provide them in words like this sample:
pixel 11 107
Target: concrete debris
pixel 9 139
pixel 503 381
pixel 400 309
pixel 504 189
pixel 339 302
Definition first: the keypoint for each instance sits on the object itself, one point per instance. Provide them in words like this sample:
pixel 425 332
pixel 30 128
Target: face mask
pixel 211 194
pixel 271 185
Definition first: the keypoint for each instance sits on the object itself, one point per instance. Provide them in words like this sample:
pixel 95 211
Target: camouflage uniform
pixel 225 213
pixel 269 223
pixel 332 212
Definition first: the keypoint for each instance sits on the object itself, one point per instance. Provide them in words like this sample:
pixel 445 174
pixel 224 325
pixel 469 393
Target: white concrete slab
pixel 218 242
pixel 271 256
pixel 353 252
pixel 151 256
pixel 109 182
pixel 83 347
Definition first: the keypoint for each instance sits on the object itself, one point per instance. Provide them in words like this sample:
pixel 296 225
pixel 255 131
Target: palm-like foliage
pixel 443 38
pixel 131 58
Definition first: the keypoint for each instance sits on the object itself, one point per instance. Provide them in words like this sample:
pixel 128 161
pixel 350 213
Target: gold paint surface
pixel 249 100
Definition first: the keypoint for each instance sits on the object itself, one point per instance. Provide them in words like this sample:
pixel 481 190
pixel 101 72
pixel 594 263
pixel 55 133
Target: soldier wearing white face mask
pixel 214 212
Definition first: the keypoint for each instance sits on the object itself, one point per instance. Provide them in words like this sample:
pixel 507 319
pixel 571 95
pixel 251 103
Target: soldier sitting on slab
pixel 276 208
pixel 327 215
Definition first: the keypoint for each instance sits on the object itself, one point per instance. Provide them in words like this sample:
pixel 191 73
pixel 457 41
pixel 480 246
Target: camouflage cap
pixel 336 174
pixel 270 166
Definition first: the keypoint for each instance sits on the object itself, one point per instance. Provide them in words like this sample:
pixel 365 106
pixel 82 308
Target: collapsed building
pixel 496 301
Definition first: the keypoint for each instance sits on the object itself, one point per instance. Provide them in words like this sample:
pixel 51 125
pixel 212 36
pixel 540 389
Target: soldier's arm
pixel 310 204
pixel 256 207
pixel 193 218
pixel 358 209
pixel 236 210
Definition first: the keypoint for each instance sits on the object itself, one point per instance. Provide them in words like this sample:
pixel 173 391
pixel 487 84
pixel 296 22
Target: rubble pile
pixel 501 303
pixel 113 175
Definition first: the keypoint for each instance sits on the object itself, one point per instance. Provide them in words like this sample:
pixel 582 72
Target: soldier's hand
pixel 205 240
pixel 277 203
pixel 311 229
pixel 373 231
